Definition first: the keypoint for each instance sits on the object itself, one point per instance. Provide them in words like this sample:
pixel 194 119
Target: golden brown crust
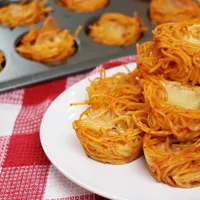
pixel 47 44
pixel 116 29
pixel 83 5
pixel 115 140
pixel 164 11
pixel 173 162
pixel 24 13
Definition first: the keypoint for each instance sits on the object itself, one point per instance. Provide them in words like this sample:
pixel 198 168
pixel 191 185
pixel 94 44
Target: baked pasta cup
pixel 164 11
pixel 48 44
pixel 172 162
pixel 83 5
pixel 173 109
pixel 174 52
pixel 106 129
pixel 108 138
pixel 24 13
pixel 115 29
pixel 2 60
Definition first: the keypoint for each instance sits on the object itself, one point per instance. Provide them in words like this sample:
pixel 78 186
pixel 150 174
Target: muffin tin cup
pixel 19 71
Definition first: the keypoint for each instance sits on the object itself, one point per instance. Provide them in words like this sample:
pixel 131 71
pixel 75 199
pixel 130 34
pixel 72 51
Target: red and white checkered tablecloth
pixel 25 171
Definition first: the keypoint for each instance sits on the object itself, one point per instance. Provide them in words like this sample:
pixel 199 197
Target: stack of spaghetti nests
pixel 154 109
pixel 169 68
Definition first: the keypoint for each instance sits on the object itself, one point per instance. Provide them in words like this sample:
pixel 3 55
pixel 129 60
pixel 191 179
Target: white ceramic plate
pixel 124 182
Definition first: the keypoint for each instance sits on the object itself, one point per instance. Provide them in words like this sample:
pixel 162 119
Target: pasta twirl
pixel 163 11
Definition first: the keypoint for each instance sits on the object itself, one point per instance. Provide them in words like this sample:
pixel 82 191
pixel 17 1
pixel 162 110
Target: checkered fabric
pixel 25 171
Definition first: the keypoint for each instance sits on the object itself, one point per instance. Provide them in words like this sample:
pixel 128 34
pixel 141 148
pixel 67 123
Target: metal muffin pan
pixel 19 71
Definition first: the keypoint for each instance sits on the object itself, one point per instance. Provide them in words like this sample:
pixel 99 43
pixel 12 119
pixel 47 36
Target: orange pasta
pixel 173 162
pixel 122 92
pixel 174 52
pixel 108 138
pixel 116 29
pixel 147 62
pixel 163 11
pixel 173 109
pixel 24 13
pixel 83 5
pixel 48 44
pixel 106 129
pixel 171 117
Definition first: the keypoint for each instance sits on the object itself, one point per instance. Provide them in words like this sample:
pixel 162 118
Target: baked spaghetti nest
pixel 116 29
pixel 163 11
pixel 174 52
pixel 108 138
pixel 106 130
pixel 173 109
pixel 24 13
pixel 48 44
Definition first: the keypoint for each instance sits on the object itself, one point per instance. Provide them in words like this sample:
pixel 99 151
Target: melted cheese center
pixel 186 97
pixel 114 28
pixel 194 33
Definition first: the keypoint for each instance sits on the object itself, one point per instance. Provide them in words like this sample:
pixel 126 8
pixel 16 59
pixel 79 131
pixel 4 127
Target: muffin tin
pixel 19 71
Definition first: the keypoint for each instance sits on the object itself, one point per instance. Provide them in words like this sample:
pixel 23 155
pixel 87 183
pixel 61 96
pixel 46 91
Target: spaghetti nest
pixel 173 109
pixel 106 129
pixel 116 29
pixel 163 11
pixel 48 44
pixel 24 13
pixel 174 52
pixel 2 60
pixel 83 5
pixel 173 162
pixel 109 139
